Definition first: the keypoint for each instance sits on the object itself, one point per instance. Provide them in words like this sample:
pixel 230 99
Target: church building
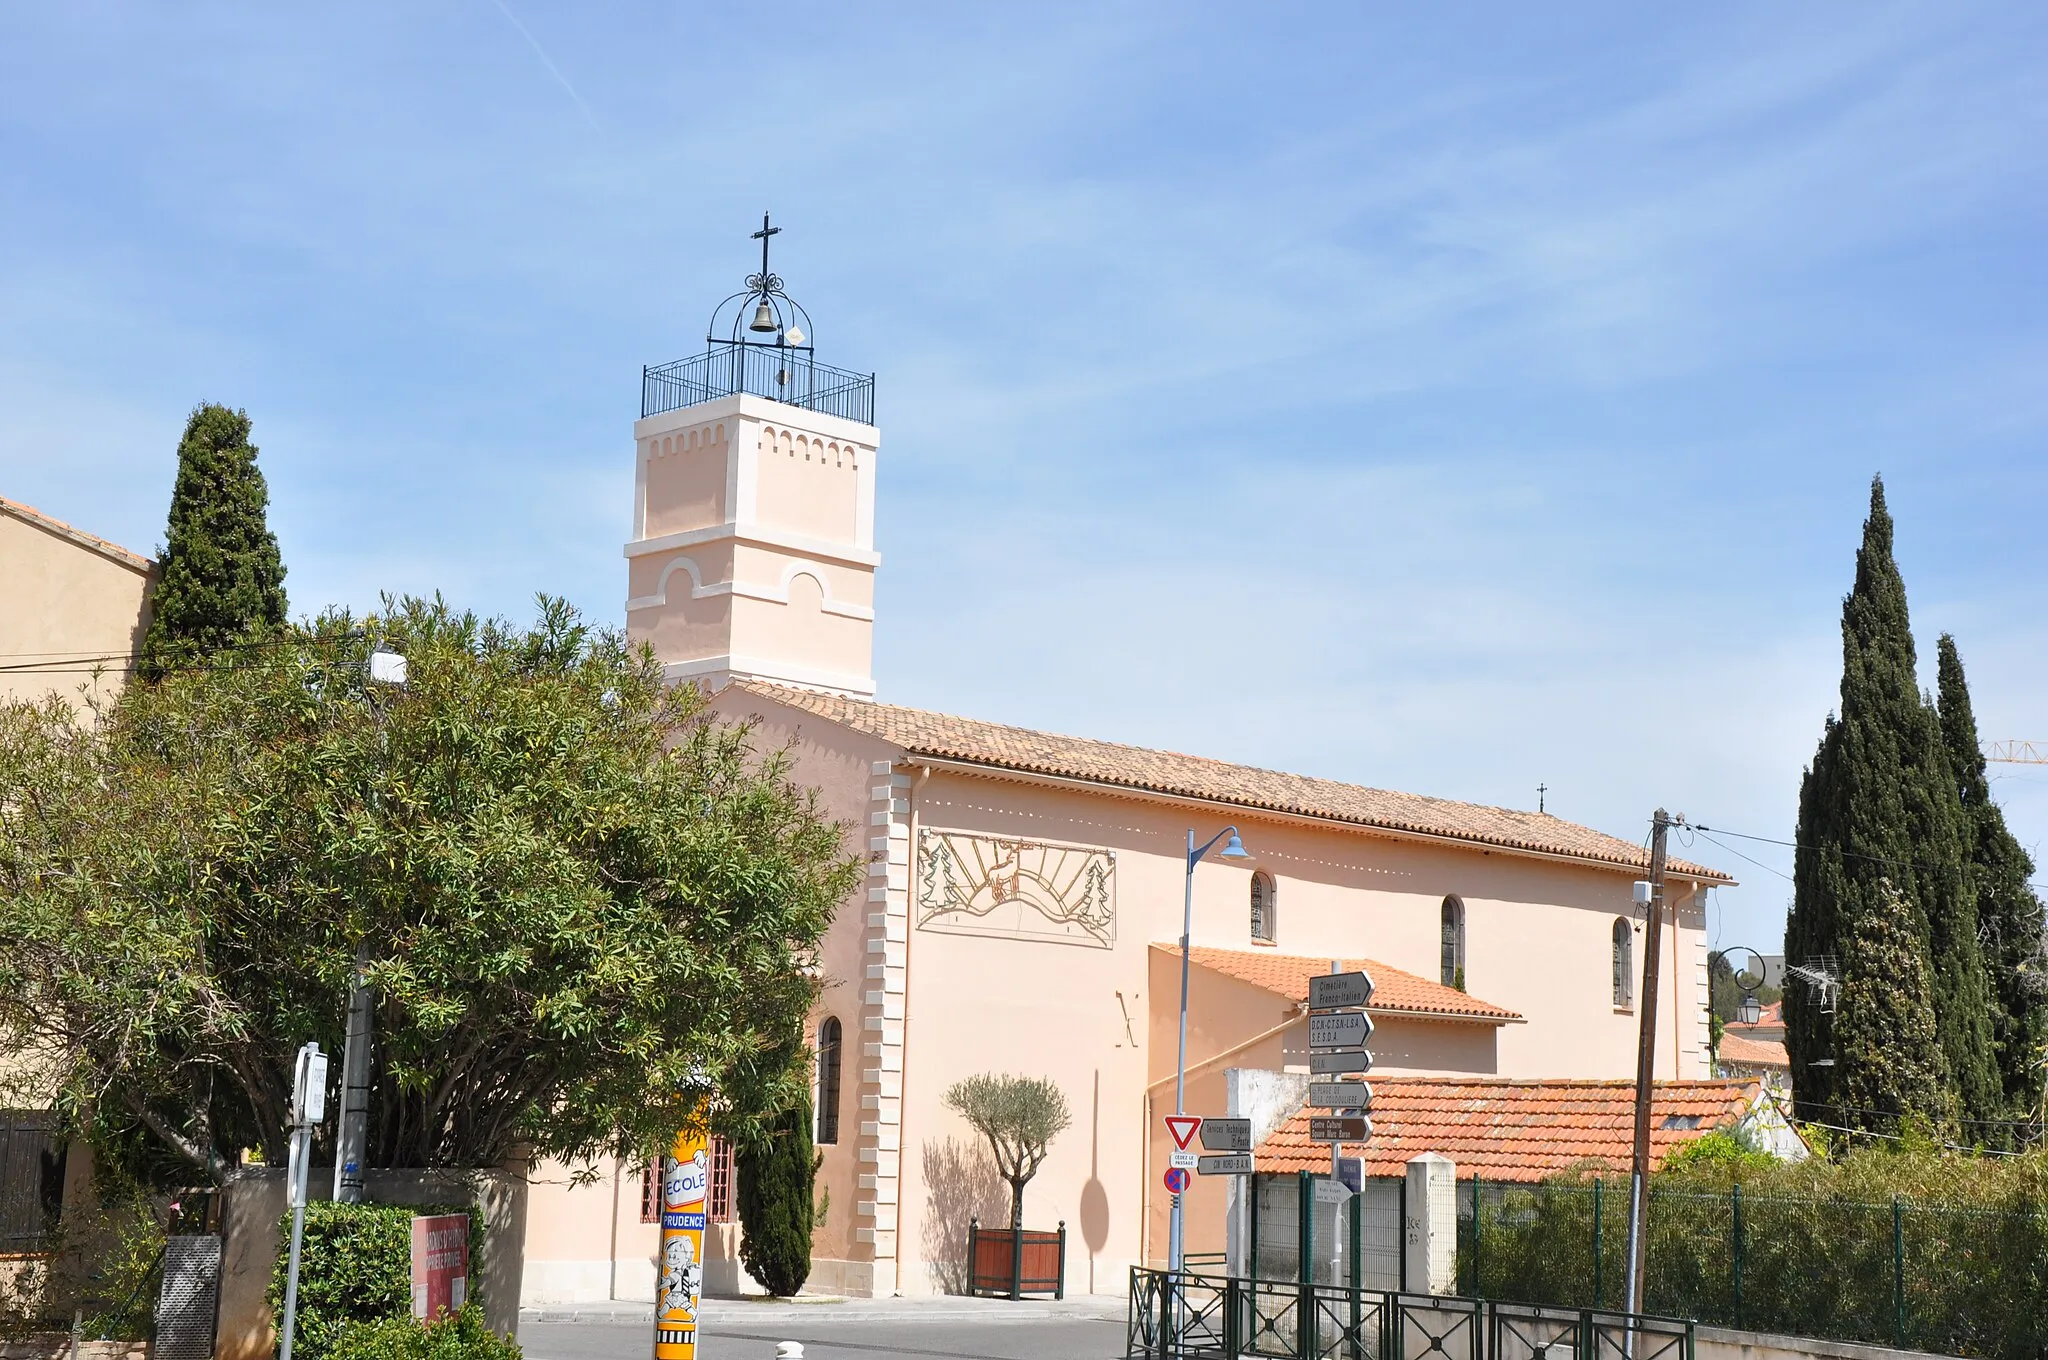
pixel 1022 908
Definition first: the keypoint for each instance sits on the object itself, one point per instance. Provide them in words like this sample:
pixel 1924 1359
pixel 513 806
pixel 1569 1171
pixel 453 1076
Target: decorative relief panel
pixel 1015 889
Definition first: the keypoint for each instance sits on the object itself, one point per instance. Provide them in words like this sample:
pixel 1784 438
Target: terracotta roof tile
pixel 1737 1048
pixel 1516 1130
pixel 29 514
pixel 1394 992
pixel 944 736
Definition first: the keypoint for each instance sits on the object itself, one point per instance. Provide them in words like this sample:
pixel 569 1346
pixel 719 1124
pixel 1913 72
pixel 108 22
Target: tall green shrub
pixel 1879 812
pixel 460 1336
pixel 355 1266
pixel 221 578
pixel 2008 909
pixel 775 1180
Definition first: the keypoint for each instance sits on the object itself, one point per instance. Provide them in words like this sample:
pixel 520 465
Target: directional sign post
pixel 1229 1164
pixel 1331 1064
pixel 1340 1095
pixel 1226 1135
pixel 1339 1128
pixel 1338 991
pixel 1339 1027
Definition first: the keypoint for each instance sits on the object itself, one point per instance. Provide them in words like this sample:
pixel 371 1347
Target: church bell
pixel 764 317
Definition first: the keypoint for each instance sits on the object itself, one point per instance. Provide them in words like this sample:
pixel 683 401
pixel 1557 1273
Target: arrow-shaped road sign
pixel 1331 991
pixel 1182 1127
pixel 1226 1135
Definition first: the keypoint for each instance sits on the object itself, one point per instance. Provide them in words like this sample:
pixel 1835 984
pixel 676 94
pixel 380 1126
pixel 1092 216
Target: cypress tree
pixel 220 579
pixel 775 1186
pixel 2009 913
pixel 1879 816
pixel 1891 1061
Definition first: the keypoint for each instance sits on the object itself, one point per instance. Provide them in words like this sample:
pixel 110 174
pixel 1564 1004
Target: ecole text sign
pixel 440 1264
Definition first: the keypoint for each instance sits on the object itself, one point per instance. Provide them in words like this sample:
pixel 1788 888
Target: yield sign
pixel 1182 1127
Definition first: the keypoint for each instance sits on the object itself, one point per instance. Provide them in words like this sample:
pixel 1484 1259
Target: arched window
pixel 1624 961
pixel 1453 961
pixel 828 1080
pixel 1265 928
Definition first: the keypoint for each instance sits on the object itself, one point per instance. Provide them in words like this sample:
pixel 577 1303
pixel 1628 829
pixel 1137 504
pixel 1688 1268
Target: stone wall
pixel 253 1206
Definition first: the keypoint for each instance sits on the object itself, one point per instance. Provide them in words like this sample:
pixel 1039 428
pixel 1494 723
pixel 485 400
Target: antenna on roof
pixel 1822 973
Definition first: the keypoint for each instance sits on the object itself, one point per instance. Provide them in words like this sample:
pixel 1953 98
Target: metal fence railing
pixel 1192 1316
pixel 780 373
pixel 1956 1281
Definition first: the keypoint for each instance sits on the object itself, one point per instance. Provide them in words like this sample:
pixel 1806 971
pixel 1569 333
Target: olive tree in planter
pixel 1019 1116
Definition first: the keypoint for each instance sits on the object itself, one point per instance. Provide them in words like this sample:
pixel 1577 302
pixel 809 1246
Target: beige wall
pixel 64 596
pixel 1100 1021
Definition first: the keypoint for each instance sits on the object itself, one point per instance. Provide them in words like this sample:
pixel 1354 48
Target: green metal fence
pixel 1955 1281
pixel 1191 1315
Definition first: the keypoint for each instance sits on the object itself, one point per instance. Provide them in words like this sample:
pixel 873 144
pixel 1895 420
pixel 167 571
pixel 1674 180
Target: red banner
pixel 440 1264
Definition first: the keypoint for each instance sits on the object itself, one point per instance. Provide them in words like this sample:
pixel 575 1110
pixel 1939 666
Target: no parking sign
pixel 1176 1179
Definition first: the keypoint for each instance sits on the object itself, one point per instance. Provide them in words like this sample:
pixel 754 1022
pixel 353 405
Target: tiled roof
pixel 943 736
pixel 29 514
pixel 1737 1048
pixel 1394 992
pixel 1515 1130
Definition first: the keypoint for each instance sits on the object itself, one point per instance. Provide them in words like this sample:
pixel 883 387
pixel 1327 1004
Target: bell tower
pixel 753 548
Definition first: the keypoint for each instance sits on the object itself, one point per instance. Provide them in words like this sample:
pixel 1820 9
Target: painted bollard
pixel 685 1180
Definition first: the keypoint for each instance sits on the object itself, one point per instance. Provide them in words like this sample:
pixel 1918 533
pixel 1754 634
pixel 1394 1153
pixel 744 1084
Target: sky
pixel 1456 399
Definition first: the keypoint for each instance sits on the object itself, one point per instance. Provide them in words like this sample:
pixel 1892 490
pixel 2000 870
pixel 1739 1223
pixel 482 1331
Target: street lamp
pixel 352 1136
pixel 1233 850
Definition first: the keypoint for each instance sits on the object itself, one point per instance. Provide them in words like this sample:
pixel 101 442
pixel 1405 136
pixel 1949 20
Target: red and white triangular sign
pixel 1182 1127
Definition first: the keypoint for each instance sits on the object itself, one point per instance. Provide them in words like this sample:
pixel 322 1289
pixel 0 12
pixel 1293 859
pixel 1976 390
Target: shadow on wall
pixel 960 1184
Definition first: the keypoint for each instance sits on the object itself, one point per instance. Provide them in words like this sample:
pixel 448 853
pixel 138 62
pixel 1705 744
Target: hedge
pixel 355 1266
pixel 1943 1254
pixel 458 1336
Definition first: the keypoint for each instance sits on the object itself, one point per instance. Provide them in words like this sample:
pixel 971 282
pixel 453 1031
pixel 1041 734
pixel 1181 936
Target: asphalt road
pixel 830 1333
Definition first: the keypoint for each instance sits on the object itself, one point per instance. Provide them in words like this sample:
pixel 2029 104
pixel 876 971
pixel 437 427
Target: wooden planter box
pixel 1012 1262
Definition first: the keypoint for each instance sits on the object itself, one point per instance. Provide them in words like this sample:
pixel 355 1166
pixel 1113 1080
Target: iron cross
pixel 762 236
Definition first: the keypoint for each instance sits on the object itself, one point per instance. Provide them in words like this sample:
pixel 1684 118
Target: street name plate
pixel 1329 1064
pixel 1341 1029
pixel 1331 991
pixel 1340 1095
pixel 1230 1164
pixel 1226 1135
pixel 1186 1161
pixel 1338 1128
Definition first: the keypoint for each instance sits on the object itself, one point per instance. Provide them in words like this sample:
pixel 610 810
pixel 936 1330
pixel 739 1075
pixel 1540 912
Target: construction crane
pixel 2017 752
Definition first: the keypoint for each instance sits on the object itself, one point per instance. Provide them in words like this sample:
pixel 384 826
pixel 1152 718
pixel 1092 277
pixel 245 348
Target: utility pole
pixel 1646 1063
pixel 386 669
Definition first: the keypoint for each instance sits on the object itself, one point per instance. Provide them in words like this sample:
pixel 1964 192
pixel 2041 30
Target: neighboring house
pixel 73 610
pixel 1023 898
pixel 1757 1050
pixel 1498 1132
pixel 1524 1131
pixel 70 604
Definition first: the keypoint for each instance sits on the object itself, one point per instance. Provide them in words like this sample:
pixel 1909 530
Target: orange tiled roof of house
pixel 1516 1130
pixel 29 514
pixel 1394 992
pixel 943 736
pixel 1737 1048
